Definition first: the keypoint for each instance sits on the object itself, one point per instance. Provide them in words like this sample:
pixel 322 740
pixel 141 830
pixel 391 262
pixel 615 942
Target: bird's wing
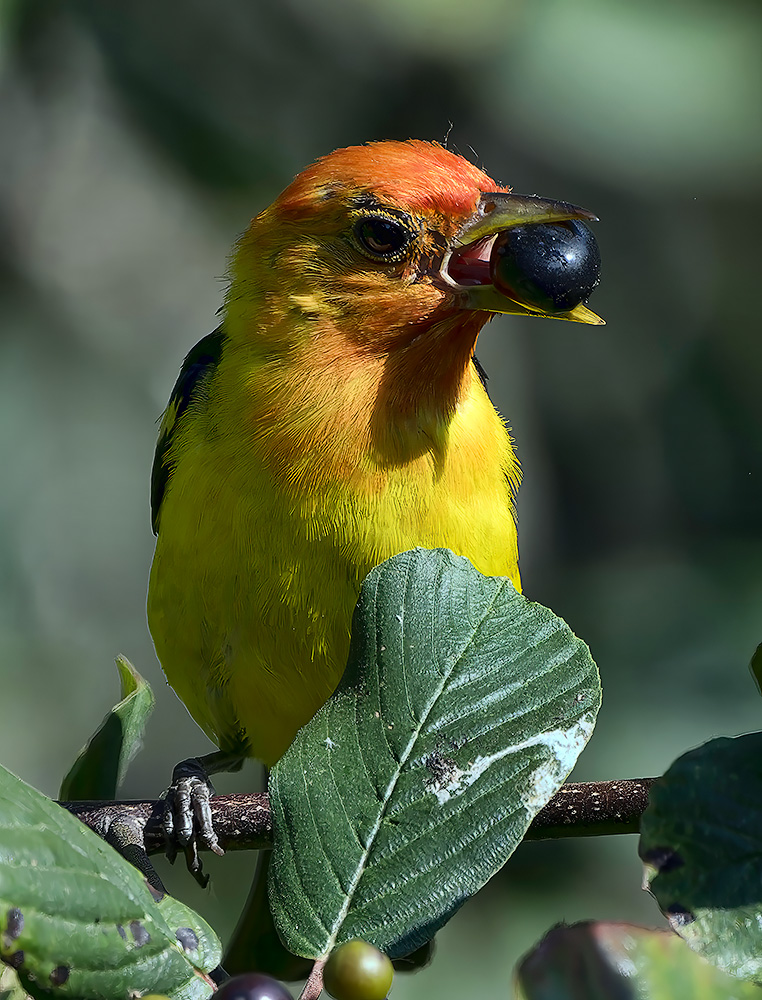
pixel 192 382
pixel 483 376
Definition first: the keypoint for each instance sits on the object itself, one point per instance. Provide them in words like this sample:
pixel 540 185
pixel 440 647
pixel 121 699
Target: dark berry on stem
pixel 252 986
pixel 551 267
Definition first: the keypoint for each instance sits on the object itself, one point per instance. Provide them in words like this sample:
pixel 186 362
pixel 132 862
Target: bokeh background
pixel 137 141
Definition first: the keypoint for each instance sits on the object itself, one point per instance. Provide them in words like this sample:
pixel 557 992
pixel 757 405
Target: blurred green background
pixel 138 140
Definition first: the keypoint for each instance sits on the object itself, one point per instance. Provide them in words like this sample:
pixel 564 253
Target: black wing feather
pixel 483 376
pixel 198 367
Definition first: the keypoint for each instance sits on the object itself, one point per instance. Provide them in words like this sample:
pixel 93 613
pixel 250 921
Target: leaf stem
pixel 314 985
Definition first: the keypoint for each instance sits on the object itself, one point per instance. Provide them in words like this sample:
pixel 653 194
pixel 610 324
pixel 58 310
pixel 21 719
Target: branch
pixel 244 822
pixel 592 809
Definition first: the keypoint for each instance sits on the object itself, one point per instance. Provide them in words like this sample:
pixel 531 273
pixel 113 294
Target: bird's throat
pixel 421 386
pixel 340 412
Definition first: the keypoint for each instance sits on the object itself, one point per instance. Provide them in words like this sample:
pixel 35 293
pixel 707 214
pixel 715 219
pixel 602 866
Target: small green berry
pixel 358 971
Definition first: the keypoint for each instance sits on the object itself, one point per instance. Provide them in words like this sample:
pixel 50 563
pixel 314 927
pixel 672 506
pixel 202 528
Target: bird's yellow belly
pixel 252 590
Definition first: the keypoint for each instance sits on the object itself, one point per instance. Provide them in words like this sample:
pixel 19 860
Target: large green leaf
pixel 701 841
pixel 756 667
pixel 101 765
pixel 78 920
pixel 462 709
pixel 10 987
pixel 608 961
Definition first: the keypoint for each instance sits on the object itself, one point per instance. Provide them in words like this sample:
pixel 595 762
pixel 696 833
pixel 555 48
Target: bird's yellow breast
pixel 280 502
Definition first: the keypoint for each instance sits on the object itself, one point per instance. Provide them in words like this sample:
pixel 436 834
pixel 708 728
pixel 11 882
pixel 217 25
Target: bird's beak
pixel 466 265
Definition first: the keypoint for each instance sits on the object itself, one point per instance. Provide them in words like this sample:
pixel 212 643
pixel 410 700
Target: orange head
pixel 383 252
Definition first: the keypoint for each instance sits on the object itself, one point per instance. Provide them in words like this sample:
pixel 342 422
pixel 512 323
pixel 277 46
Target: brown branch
pixel 592 809
pixel 244 822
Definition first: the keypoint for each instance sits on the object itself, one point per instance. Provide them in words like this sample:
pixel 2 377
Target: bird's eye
pixel 382 238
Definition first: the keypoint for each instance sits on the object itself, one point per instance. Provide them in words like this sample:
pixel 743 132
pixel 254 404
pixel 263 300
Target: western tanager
pixel 337 416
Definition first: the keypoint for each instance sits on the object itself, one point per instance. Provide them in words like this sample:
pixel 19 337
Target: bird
pixel 338 416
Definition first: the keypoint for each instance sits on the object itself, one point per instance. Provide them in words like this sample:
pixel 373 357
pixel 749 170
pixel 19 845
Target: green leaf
pixel 198 941
pixel 609 961
pixel 701 842
pixel 756 667
pixel 78 920
pixel 102 764
pixel 10 987
pixel 462 709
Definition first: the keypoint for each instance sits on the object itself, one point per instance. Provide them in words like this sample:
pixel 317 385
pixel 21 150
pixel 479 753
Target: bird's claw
pixel 187 820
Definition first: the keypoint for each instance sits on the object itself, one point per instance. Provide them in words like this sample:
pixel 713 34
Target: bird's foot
pixel 187 821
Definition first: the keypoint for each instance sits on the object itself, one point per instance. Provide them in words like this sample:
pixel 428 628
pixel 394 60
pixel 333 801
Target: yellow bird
pixel 338 416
